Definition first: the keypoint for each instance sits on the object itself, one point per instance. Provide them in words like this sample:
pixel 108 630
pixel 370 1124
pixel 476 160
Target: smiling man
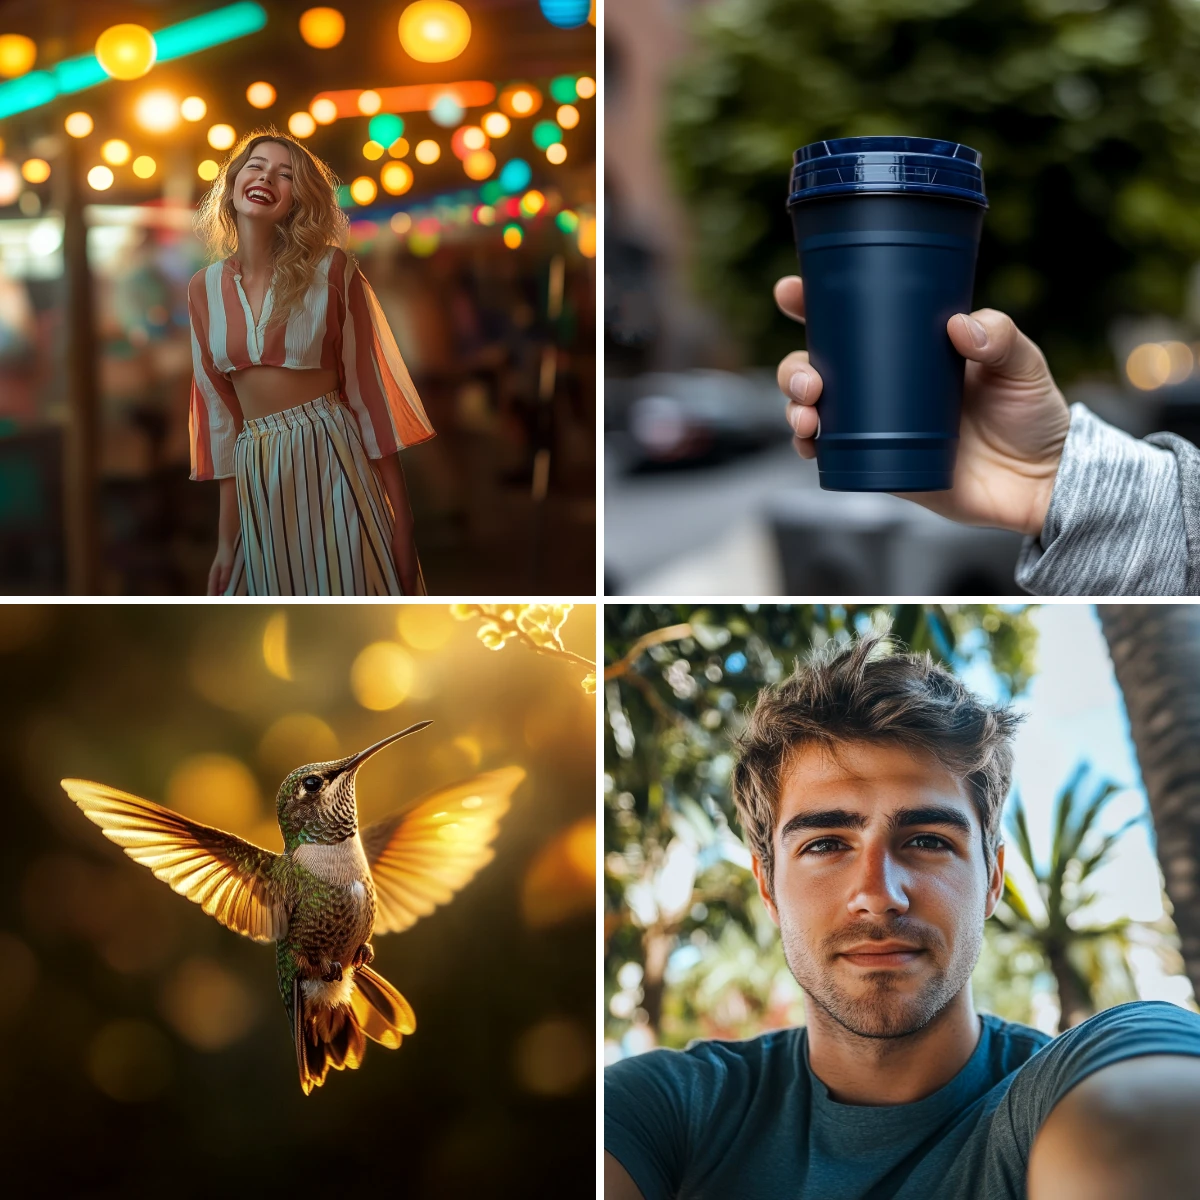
pixel 870 785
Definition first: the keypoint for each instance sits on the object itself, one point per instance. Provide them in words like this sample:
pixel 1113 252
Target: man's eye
pixel 822 846
pixel 929 841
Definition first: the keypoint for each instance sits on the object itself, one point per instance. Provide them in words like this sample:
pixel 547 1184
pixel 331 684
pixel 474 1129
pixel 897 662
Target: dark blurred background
pixel 484 268
pixel 1086 112
pixel 146 1049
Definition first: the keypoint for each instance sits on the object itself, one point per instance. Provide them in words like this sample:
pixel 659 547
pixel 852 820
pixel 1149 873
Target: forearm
pixel 1115 524
pixel 227 522
pixel 1125 1133
pixel 392 475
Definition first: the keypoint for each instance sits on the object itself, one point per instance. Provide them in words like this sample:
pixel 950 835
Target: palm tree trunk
pixel 1074 1003
pixel 1156 654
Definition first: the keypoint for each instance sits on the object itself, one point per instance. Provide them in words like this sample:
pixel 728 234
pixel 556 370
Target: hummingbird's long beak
pixel 355 761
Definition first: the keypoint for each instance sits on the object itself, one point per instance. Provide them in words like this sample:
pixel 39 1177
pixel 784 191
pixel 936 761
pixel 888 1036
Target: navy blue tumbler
pixel 887 230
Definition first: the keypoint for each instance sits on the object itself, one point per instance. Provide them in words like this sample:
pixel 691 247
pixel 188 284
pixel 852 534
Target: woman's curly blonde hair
pixel 314 223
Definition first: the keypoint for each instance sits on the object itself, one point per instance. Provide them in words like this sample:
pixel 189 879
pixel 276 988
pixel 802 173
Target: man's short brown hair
pixel 865 691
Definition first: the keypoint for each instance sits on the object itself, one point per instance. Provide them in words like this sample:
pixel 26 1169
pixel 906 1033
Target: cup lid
pixel 844 166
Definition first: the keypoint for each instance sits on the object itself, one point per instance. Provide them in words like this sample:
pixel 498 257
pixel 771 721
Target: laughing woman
pixel 300 400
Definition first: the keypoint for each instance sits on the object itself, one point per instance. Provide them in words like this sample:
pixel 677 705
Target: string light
pixel 495 124
pixel 479 164
pixel 126 51
pixel 144 166
pixel 261 94
pixel 372 150
pixel 208 170
pixel 399 148
pixel 193 109
pixel 513 236
pixel 157 111
pixel 322 28
pixel 396 177
pixel 323 110
pixel 115 151
pixel 369 103
pixel 434 30
pixel 17 54
pixel 301 125
pixel 428 152
pixel 35 170
pixel 567 116
pixel 78 124
pixel 100 179
pixel 585 87
pixel 556 154
pixel 363 189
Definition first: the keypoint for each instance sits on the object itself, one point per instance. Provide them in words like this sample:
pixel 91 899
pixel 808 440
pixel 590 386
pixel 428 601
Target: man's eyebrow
pixel 841 818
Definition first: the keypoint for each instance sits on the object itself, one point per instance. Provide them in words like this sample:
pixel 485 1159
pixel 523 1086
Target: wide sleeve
pixel 214 413
pixel 377 384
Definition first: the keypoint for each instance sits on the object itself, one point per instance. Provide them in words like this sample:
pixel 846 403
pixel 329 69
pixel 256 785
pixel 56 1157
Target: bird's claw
pixel 333 974
pixel 364 956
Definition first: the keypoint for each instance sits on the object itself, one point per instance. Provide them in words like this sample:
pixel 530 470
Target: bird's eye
pixel 312 783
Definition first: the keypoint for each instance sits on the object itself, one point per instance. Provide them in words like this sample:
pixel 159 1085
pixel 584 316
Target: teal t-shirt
pixel 750 1121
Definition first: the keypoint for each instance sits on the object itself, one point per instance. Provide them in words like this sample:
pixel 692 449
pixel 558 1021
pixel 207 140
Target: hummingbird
pixel 331 889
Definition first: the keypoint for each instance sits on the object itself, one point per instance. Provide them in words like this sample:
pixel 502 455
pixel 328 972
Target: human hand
pixel 221 569
pixel 1014 419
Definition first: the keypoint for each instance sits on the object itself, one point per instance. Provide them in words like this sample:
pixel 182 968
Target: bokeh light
pixel 363 190
pixel 385 128
pixel 446 111
pixel 513 236
pixel 261 94
pixel 79 124
pixel 1182 361
pixel 561 881
pixel 324 110
pixel 157 111
pixel 208 1005
pixel 18 53
pixel 1148 366
pixel 423 242
pixel 382 676
pixel 294 740
pixel 208 169
pixel 434 30
pixel 567 116
pixel 369 102
pixel 396 178
pixel 459 142
pixel 427 151
pixel 562 89
pixel 546 134
pixel 216 789
pixel 193 108
pixel 495 124
pixel 126 51
pixel 554 1058
pixel 100 178
pixel 425 626
pixel 400 223
pixel 532 203
pixel 556 154
pixel 221 137
pixel 18 974
pixel 275 646
pixel 515 176
pixel 399 148
pixel 322 28
pixel 301 125
pixel 587 237
pixel 520 100
pixel 35 170
pixel 372 150
pixel 585 87
pixel 479 164
pixel 130 1061
pixel 144 166
pixel 115 152
pixel 566 14
pixel 484 214
pixel 567 221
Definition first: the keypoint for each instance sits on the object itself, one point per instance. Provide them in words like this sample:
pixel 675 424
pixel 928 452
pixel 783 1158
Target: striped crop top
pixel 340 324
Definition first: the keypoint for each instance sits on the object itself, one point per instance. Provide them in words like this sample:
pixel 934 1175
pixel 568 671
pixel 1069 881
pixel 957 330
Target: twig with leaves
pixel 538 626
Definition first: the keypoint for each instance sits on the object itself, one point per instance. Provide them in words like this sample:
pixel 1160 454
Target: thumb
pixel 993 339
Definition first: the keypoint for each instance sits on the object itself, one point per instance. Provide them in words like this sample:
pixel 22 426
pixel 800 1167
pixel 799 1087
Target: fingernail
pixel 977 332
pixel 798 385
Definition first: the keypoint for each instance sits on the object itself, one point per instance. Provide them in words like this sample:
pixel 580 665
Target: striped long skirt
pixel 315 520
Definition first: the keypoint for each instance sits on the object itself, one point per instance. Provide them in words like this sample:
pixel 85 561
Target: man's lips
pixel 879 955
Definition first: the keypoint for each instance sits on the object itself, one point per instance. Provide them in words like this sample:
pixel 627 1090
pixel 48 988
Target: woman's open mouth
pixel 259 195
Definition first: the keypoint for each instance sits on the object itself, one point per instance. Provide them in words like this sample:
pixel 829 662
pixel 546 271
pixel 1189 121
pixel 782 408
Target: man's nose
pixel 880 886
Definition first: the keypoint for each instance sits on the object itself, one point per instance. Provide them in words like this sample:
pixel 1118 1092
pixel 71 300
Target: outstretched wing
pixel 420 857
pixel 229 878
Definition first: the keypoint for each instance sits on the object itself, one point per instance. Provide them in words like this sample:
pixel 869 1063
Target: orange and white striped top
pixel 340 324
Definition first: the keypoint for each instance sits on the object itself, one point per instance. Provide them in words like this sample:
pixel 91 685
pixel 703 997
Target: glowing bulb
pixel 513 236
pixel 221 137
pixel 301 125
pixel 157 111
pixel 324 111
pixel 397 178
pixel 372 150
pixel 144 166
pixel 322 28
pixel 363 190
pixel 585 87
pixel 100 178
pixel 17 54
pixel 428 151
pixel 35 170
pixel 79 124
pixel 208 169
pixel 115 151
pixel 556 154
pixel 567 116
pixel 434 30
pixel 126 51
pixel 496 124
pixel 479 164
pixel 369 103
pixel 261 94
pixel 193 109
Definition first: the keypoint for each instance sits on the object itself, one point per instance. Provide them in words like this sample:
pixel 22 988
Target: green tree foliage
pixel 1087 113
pixel 676 686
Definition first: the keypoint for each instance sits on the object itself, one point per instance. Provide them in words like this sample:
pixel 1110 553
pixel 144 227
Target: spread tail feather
pixel 335 1035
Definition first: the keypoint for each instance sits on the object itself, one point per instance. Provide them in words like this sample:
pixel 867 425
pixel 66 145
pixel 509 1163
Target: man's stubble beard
pixel 881 1008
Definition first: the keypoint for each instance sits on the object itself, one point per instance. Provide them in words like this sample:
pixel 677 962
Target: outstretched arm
pixel 404 548
pixel 1127 1132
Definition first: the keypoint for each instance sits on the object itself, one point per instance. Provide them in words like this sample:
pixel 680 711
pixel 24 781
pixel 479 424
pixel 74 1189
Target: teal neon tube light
pixel 175 41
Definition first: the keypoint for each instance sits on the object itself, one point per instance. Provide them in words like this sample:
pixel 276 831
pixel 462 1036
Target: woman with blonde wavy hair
pixel 300 400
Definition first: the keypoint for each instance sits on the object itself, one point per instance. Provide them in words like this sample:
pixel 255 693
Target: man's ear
pixel 995 883
pixel 757 867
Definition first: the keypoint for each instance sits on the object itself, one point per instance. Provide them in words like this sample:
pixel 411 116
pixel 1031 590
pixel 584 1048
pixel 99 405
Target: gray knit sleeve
pixel 1116 523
